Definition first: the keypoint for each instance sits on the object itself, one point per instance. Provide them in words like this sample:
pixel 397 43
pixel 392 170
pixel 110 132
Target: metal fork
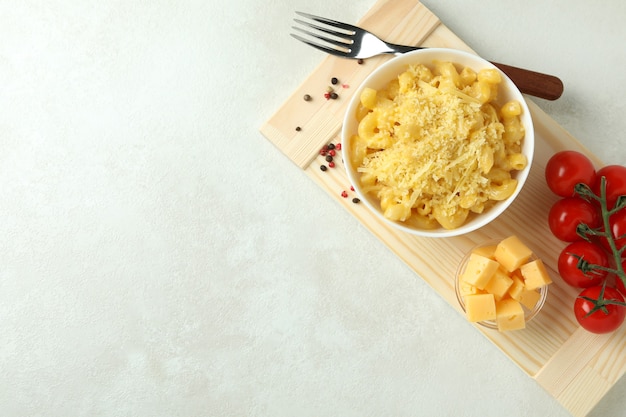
pixel 349 41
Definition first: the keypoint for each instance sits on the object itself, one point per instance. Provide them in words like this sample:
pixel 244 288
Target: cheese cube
pixel 510 315
pixel 529 298
pixel 480 307
pixel 479 271
pixel 499 284
pixel 486 251
pixel 535 274
pixel 516 288
pixel 468 289
pixel 512 253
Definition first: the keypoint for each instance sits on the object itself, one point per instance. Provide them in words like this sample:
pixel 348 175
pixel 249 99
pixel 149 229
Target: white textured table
pixel 159 257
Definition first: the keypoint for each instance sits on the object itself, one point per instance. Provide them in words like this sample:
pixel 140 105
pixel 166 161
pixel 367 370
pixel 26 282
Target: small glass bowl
pixel 490 324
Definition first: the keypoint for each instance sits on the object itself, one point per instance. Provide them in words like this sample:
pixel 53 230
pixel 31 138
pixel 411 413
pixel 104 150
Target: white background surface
pixel 159 257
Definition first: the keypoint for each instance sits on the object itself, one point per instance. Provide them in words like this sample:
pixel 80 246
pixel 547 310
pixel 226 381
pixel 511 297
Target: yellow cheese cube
pixel 499 284
pixel 480 307
pixel 529 298
pixel 510 315
pixel 479 271
pixel 468 289
pixel 486 251
pixel 535 274
pixel 516 288
pixel 512 253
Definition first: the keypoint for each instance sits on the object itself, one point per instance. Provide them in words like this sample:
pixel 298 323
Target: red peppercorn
pixel 332 152
pixel 331 164
pixel 344 194
pixel 338 146
pixel 322 152
pixel 327 96
pixel 352 187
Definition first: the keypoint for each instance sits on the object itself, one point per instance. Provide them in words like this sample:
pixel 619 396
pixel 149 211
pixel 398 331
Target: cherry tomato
pixel 566 169
pixel 568 264
pixel 567 213
pixel 599 321
pixel 615 183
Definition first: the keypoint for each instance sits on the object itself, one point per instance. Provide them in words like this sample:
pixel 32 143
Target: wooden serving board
pixel 574 366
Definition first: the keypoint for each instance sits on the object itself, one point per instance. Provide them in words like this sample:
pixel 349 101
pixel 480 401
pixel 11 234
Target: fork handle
pixel 534 83
pixel 529 82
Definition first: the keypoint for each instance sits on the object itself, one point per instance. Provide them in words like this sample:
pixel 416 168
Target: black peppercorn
pixel 323 167
pixel 334 80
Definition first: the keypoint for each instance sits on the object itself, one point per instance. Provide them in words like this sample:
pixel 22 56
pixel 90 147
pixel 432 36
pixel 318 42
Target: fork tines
pixel 336 36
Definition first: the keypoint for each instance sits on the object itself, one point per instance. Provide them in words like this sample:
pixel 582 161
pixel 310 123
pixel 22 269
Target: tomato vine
pixel 595 228
pixel 586 232
pixel 600 303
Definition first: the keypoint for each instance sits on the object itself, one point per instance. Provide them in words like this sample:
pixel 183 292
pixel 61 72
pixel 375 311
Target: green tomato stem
pixel 585 231
pixel 606 215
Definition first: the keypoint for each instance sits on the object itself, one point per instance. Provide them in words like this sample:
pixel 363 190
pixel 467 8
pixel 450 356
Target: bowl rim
pixel 427 55
pixel 490 324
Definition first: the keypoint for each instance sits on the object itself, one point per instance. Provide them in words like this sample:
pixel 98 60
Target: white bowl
pixel 390 70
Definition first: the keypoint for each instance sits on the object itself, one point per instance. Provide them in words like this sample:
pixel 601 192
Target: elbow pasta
pixel 434 147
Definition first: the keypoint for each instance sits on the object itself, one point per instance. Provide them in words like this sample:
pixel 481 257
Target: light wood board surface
pixel 575 367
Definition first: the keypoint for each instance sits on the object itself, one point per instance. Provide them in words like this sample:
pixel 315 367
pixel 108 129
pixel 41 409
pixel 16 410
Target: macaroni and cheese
pixel 433 146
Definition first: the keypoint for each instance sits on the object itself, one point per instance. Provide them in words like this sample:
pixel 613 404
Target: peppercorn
pixel 329 158
pixel 298 128
pixel 344 194
pixel 330 146
pixel 334 95
pixel 332 152
pixel 338 146
pixel 356 200
pixel 323 167
pixel 307 97
pixel 334 80
pixel 360 61
pixel 331 164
